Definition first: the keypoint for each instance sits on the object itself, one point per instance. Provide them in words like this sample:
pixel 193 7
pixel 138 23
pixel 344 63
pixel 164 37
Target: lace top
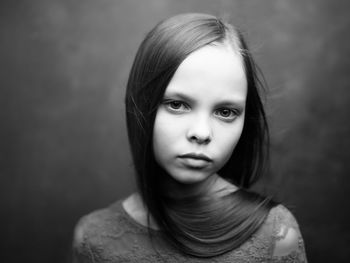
pixel 111 235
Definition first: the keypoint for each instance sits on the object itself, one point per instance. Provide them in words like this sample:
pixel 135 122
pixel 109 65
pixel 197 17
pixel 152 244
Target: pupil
pixel 176 104
pixel 225 113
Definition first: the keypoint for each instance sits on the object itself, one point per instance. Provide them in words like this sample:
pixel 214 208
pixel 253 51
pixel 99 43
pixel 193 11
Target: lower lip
pixel 194 163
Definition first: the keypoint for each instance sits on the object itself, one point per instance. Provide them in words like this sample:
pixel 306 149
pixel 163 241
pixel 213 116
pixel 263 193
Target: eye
pixel 176 106
pixel 227 114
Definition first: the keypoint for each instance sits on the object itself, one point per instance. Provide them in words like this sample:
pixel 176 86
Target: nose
pixel 200 131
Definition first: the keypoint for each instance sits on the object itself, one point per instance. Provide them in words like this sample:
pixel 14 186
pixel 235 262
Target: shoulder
pixel 280 215
pixel 286 235
pixel 97 220
pixel 94 229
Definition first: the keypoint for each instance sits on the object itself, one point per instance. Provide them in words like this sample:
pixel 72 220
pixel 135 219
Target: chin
pixel 190 177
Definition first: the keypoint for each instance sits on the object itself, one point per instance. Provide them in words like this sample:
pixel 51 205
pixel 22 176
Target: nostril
pixel 201 140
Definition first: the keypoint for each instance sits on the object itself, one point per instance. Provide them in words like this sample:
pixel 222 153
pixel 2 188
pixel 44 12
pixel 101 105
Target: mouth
pixel 196 156
pixel 195 161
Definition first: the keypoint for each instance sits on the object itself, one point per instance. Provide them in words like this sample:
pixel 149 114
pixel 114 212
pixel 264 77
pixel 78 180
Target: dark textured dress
pixel 111 235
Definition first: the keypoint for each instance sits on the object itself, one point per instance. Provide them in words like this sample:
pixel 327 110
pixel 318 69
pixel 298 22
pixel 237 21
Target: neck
pixel 210 186
pixel 176 191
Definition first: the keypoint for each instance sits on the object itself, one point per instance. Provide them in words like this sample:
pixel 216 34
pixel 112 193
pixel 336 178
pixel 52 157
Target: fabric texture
pixel 111 235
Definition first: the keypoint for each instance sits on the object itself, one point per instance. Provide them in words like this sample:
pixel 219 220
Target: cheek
pixel 228 140
pixel 161 131
pixel 165 134
pixel 158 138
pixel 167 127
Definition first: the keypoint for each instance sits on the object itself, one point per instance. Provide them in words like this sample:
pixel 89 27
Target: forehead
pixel 215 70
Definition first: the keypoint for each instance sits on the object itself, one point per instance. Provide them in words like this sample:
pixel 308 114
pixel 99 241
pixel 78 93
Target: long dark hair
pixel 230 219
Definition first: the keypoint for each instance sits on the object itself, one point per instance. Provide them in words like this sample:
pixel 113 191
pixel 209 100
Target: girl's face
pixel 201 117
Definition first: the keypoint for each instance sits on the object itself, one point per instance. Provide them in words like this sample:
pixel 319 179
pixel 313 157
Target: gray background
pixel 64 151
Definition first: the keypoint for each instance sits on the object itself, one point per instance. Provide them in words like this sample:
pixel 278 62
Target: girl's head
pixel 193 91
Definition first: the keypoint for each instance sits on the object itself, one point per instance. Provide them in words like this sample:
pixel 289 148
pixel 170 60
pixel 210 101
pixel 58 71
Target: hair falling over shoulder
pixel 202 226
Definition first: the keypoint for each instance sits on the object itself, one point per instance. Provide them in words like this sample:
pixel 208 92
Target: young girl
pixel 198 137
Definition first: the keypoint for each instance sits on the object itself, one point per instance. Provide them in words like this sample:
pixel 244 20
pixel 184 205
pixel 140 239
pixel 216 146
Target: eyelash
pixel 233 113
pixel 182 107
pixel 170 103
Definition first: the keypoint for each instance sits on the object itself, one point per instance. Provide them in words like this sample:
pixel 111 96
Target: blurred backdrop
pixel 64 151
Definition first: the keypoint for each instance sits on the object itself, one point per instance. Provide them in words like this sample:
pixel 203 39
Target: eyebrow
pixel 180 96
pixel 225 102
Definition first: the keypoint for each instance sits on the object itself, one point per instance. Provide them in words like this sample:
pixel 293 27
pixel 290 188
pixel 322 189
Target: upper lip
pixel 197 156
